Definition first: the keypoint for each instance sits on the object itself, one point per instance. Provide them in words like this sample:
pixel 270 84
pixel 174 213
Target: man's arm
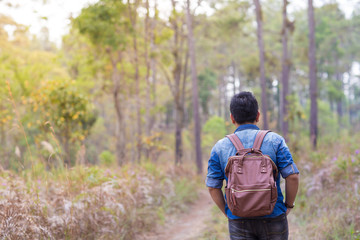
pixel 291 188
pixel 218 197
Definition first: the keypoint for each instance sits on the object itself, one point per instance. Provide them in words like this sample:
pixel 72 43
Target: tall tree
pixel 148 67
pixel 153 63
pixel 259 21
pixel 286 63
pixel 195 93
pixel 312 76
pixel 177 82
pixel 105 29
pixel 132 7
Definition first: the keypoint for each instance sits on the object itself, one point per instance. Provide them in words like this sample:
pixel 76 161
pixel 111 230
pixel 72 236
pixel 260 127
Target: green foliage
pixel 69 114
pixel 107 158
pixel 216 127
pixel 151 168
pixel 334 89
pixel 213 130
pixel 207 82
pixel 296 113
pixel 328 124
pixel 185 192
pixel 104 23
pixel 64 106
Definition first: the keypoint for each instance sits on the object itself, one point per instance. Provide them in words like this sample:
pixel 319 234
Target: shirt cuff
pixel 289 170
pixel 214 183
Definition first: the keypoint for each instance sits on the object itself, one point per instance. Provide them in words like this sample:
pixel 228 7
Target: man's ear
pixel 232 118
pixel 258 117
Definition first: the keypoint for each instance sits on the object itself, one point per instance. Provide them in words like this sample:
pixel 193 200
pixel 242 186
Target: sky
pixel 57 12
pixel 54 14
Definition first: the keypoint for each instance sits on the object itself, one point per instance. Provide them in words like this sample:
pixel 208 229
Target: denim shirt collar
pixel 247 126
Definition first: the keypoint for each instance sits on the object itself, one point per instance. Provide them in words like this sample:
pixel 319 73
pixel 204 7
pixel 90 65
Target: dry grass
pixel 88 203
pixel 328 203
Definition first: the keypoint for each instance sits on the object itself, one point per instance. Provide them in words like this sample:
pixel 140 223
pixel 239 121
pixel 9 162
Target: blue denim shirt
pixel 273 145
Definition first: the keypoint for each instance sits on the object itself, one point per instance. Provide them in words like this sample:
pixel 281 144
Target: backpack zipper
pixel 250 190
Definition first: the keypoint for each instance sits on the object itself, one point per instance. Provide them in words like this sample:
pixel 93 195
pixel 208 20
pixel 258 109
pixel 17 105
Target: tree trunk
pixel 148 84
pixel 179 119
pixel 148 64
pixel 183 87
pixel 177 90
pixel 195 94
pixel 220 84
pixel 260 40
pixel 233 75
pixel 285 74
pixel 226 103
pixel 3 158
pixel 312 76
pixel 349 103
pixel 339 102
pixel 120 129
pixel 153 119
pixel 280 104
pixel 133 19
pixel 67 159
pixel 241 83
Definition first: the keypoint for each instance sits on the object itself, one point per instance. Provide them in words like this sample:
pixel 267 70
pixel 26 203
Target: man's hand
pixel 218 197
pixel 288 211
pixel 291 188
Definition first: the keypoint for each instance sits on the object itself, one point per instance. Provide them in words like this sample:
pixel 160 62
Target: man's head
pixel 244 108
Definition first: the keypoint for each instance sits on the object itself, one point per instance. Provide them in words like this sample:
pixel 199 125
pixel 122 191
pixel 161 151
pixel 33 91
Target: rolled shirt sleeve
pixel 284 160
pixel 215 175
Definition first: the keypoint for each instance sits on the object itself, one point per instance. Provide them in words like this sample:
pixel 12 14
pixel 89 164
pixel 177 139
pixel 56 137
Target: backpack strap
pixel 259 139
pixel 236 141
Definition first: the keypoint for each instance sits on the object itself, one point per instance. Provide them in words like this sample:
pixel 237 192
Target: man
pixel 244 115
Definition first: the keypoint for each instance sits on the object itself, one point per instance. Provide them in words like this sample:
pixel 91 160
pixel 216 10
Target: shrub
pixel 107 158
pixel 213 130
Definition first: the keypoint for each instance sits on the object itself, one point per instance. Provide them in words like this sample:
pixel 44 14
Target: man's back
pixel 273 145
pixel 244 115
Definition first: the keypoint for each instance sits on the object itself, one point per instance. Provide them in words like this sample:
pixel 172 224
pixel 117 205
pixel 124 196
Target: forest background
pixel 136 96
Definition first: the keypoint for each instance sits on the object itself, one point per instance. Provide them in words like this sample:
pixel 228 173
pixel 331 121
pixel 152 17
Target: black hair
pixel 244 107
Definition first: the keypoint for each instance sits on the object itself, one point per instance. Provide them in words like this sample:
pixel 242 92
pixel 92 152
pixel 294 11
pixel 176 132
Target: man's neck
pixel 238 125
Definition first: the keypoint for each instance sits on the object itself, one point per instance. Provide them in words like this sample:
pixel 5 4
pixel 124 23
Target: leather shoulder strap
pixel 259 138
pixel 236 141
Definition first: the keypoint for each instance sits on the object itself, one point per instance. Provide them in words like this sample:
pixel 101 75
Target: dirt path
pixel 187 226
pixel 191 225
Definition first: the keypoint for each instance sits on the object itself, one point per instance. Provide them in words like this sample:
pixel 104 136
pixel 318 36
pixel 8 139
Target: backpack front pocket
pixel 250 200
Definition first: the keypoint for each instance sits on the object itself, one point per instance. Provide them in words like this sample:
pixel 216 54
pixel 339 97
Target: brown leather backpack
pixel 251 189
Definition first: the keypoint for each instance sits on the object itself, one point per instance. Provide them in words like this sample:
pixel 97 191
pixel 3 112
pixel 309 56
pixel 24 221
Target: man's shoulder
pixel 273 138
pixel 273 135
pixel 222 143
